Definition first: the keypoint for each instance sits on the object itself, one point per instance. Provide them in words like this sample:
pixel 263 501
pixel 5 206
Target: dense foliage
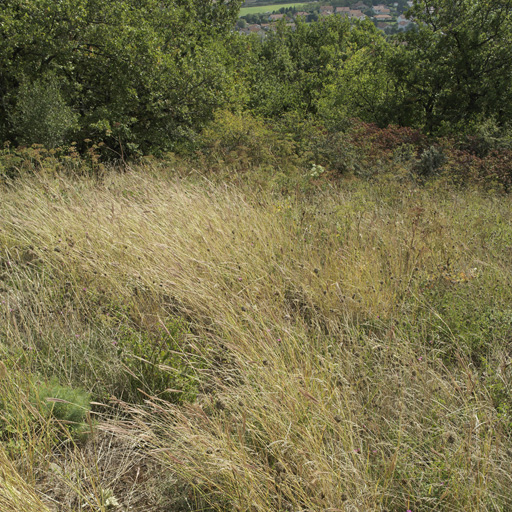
pixel 146 77
pixel 457 67
pixel 136 74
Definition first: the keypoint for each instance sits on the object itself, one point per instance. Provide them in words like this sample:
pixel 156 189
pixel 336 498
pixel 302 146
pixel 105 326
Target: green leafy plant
pixel 69 406
pixel 430 162
pixel 160 363
pixel 140 76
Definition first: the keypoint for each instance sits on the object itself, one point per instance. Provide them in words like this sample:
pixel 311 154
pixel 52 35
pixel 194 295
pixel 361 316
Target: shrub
pixel 159 363
pixel 488 136
pixel 36 412
pixel 333 150
pixel 41 115
pixel 69 406
pixel 15 162
pixel 430 162
pixel 242 138
pixel 386 139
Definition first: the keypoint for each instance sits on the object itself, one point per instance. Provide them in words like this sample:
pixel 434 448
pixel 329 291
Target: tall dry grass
pixel 16 494
pixel 350 348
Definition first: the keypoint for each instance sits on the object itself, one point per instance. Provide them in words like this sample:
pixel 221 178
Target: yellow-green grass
pixel 16 495
pixel 261 9
pixel 351 346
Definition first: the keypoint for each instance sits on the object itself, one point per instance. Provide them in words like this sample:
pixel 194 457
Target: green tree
pixel 290 68
pixel 41 115
pixel 363 87
pixel 140 74
pixel 366 85
pixel 457 66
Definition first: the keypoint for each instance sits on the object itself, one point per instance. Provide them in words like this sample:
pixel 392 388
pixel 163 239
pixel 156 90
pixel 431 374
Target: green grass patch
pixel 270 8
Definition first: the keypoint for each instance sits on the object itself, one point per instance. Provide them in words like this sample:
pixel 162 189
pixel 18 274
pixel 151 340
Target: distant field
pixel 257 9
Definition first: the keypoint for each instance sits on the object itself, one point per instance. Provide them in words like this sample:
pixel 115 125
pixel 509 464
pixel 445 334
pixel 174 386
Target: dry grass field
pixel 173 342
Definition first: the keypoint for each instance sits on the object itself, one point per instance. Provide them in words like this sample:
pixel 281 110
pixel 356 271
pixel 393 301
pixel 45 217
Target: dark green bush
pixel 32 408
pixel 41 115
pixel 430 162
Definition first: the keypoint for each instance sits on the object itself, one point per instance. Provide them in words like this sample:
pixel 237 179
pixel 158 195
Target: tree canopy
pixel 146 75
pixel 135 72
pixel 457 65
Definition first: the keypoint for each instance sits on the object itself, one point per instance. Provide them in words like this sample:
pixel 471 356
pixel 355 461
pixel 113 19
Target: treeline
pixel 136 74
pixel 146 76
pixel 451 72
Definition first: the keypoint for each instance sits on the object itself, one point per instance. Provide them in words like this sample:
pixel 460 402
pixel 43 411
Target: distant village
pixel 389 18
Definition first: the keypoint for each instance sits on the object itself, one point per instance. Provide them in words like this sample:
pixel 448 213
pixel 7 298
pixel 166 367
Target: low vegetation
pixel 279 340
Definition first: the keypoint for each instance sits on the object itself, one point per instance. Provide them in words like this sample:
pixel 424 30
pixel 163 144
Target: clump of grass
pixel 16 494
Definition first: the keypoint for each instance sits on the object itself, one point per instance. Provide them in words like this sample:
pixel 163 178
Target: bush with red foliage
pixel 467 165
pixel 386 140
